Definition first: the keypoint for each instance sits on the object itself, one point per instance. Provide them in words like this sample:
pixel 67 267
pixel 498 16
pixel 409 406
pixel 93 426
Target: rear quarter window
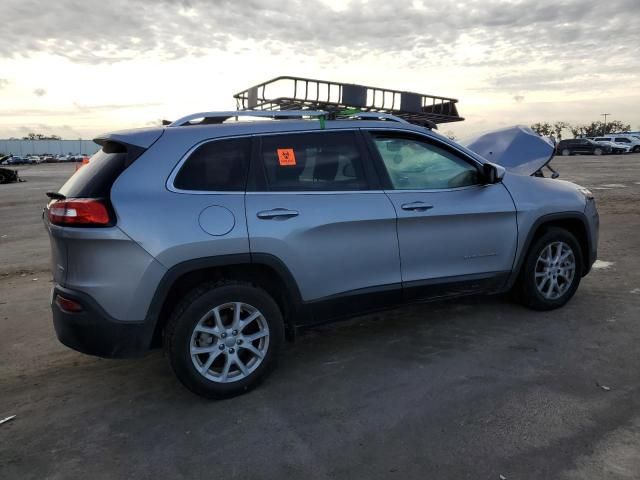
pixel 219 165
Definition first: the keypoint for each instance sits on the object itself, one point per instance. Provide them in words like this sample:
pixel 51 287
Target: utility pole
pixel 604 129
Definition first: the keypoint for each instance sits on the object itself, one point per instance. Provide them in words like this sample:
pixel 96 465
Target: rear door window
pixel 622 140
pixel 219 165
pixel 323 161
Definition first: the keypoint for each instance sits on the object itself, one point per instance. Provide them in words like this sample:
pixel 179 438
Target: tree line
pixel 40 136
pixel 593 129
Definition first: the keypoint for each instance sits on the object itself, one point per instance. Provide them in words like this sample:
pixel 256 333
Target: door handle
pixel 416 206
pixel 277 213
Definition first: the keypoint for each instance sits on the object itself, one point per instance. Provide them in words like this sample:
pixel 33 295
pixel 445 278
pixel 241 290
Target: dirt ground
pixel 469 389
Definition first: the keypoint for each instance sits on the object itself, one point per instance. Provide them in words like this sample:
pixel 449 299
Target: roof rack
pixel 297 93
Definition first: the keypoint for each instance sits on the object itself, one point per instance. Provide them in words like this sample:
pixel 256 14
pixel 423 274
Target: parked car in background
pixel 62 158
pixel 7 175
pixel 49 159
pixel 17 160
pixel 35 159
pixel 581 146
pixel 633 134
pixel 615 147
pixel 626 139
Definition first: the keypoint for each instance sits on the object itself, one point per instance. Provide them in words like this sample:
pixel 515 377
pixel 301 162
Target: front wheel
pixel 597 151
pixel 551 272
pixel 224 339
pixel 566 152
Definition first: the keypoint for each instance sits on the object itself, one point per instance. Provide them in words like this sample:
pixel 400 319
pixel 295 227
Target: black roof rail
pixel 298 93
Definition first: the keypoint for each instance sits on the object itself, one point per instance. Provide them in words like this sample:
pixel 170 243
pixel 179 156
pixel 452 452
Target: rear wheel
pixel 551 271
pixel 566 152
pixel 223 339
pixel 636 149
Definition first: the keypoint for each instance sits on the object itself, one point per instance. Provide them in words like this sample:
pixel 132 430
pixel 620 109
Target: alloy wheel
pixel 555 270
pixel 229 342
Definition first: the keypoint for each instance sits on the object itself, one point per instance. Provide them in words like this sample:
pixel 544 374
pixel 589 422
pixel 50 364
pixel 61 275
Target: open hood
pixel 518 149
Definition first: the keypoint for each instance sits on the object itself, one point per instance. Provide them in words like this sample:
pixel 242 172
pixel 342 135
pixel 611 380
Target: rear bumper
pixel 94 332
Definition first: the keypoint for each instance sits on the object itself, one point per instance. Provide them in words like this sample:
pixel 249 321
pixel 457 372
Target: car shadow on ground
pixel 404 337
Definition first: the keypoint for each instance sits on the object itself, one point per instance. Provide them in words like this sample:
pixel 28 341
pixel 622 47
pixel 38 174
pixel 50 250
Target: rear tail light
pixel 79 212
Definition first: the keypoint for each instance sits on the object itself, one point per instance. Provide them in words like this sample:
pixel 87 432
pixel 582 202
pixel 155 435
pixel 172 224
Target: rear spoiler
pixel 139 137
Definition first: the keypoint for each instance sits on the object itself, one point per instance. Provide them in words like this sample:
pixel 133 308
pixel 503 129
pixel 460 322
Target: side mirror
pixel 492 173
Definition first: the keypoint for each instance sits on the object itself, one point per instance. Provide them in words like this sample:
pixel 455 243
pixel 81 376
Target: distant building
pixel 54 147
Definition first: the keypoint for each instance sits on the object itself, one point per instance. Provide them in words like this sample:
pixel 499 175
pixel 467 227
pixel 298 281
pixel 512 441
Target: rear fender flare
pixel 174 273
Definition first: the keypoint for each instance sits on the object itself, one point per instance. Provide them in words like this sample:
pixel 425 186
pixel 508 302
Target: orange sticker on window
pixel 286 156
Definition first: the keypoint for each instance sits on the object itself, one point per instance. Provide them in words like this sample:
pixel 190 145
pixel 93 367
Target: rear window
pixel 95 179
pixel 220 165
pixel 323 161
pixel 602 140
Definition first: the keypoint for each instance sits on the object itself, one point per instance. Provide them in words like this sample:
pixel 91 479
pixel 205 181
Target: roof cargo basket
pixel 344 99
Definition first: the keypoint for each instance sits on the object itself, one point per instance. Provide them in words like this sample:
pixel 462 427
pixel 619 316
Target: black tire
pixel 526 290
pixel 187 314
pixel 566 152
pixel 636 149
pixel 597 151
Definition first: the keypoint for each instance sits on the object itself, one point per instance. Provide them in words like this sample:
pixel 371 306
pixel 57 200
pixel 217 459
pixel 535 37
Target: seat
pixel 326 167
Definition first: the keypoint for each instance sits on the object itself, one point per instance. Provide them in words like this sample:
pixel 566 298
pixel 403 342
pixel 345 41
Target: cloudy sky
pixel 77 68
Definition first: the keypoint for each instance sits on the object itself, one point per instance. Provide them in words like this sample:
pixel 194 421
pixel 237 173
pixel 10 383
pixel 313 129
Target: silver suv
pixel 217 240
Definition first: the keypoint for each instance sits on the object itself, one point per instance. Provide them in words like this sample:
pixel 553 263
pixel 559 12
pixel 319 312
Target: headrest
pixel 326 166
